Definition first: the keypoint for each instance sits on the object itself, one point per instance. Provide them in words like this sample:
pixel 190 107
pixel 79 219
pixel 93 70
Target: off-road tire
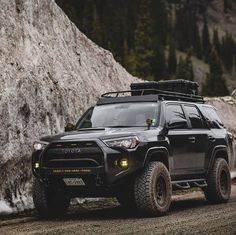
pixel 219 182
pixel 49 202
pixel 152 190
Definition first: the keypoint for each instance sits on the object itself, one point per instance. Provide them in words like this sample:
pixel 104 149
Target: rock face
pixel 49 74
pixel 226 107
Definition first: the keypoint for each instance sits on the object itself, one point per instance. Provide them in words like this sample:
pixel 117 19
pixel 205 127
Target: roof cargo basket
pixel 179 86
pixel 164 90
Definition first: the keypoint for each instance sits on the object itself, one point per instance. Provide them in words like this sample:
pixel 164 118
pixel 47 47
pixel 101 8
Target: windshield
pixel 120 115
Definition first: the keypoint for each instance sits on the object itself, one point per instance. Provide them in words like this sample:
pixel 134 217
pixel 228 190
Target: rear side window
pixel 174 111
pixel 213 118
pixel 194 117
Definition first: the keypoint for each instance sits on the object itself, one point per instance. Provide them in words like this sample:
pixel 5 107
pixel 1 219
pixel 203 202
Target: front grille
pixel 72 154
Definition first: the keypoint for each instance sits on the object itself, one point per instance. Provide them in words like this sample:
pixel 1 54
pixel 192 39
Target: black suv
pixel 137 146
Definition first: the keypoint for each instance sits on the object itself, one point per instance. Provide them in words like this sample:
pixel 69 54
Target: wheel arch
pixel 160 154
pixel 219 152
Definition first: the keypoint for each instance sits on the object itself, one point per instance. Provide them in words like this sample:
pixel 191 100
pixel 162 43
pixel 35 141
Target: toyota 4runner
pixel 137 146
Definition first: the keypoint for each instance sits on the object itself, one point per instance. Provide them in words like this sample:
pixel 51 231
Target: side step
pixel 187 184
pixel 182 185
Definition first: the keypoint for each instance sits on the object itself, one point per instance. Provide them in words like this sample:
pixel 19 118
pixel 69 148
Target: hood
pixel 99 133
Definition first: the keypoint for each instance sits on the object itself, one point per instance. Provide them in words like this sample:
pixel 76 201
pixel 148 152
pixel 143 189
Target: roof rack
pixel 161 95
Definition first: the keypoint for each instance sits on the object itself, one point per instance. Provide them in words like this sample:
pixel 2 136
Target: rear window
pixel 194 117
pixel 213 118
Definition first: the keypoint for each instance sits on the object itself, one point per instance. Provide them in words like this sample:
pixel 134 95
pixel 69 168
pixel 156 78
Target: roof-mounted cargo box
pixel 179 86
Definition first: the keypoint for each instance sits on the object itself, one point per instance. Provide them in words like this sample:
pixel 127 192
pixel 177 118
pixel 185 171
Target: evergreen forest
pixel 146 36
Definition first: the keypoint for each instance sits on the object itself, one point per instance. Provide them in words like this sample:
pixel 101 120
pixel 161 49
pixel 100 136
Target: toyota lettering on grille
pixel 72 150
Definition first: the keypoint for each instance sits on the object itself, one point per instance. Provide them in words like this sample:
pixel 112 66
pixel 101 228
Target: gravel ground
pixel 189 214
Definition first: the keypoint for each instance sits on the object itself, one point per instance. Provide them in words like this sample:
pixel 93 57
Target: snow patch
pixel 20 204
pixel 5 208
pixel 233 174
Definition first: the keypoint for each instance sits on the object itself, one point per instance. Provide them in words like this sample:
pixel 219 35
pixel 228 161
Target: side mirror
pixel 177 123
pixel 69 127
pixel 149 122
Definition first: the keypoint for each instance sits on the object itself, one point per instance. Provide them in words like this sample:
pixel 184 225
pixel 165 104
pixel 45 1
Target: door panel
pixel 199 134
pixel 189 146
pixel 197 149
pixel 188 151
pixel 179 148
pixel 178 139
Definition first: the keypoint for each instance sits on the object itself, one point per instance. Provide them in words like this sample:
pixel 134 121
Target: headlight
pixel 126 142
pixel 39 145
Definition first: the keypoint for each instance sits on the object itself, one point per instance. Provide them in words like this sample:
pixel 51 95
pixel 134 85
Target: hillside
pixel 148 36
pixel 218 18
pixel 50 74
pixel 224 22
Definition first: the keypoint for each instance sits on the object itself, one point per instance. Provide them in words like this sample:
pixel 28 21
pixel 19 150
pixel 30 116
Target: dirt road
pixel 189 214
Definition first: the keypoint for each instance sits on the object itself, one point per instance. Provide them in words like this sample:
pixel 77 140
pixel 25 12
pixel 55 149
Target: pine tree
pixel 197 44
pixel 88 17
pixel 143 51
pixel 189 66
pixel 181 68
pixel 131 62
pixel 112 18
pixel 216 41
pixel 186 28
pixel 129 58
pixel 159 67
pixel 215 84
pixel 97 32
pixel 227 5
pixel 227 51
pixel 183 29
pixel 206 45
pixel 159 17
pixel 185 68
pixel 172 61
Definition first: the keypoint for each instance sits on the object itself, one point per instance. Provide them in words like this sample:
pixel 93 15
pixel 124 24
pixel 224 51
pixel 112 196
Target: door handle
pixel 192 139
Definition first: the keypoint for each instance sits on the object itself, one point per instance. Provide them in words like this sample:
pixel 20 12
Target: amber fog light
pixel 36 165
pixel 124 163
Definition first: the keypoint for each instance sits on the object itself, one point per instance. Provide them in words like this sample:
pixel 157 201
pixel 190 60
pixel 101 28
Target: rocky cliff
pixel 49 74
pixel 226 107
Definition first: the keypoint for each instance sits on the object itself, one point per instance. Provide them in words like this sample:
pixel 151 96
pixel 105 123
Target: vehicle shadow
pixel 117 212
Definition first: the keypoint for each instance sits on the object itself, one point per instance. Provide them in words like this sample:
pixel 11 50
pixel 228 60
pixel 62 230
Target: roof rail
pixel 161 95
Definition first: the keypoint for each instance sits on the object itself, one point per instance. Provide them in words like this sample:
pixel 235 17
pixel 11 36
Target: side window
pixel 175 112
pixel 194 117
pixel 213 118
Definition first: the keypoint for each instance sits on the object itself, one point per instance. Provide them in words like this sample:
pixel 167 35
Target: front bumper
pixel 106 174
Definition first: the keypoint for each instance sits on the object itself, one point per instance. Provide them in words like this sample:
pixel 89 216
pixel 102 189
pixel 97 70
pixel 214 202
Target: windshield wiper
pixel 91 128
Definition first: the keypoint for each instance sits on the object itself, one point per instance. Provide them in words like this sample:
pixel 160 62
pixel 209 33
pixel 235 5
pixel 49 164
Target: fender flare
pixel 155 150
pixel 217 149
